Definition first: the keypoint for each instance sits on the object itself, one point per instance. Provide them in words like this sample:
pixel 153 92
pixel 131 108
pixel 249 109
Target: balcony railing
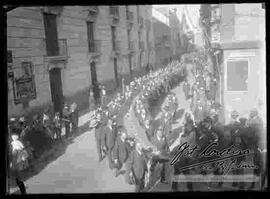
pixel 141 22
pixel 114 11
pixel 95 46
pixel 141 45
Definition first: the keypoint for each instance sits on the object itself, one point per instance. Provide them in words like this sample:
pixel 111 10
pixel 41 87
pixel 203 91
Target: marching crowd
pixel 127 155
pixel 123 149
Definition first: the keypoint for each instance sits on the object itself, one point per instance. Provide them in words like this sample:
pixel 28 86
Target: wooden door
pixel 56 89
pixel 113 36
pixel 115 71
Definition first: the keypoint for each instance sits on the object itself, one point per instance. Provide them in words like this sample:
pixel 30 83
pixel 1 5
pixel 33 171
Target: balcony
pixel 94 47
pixel 141 46
pixel 141 22
pixel 61 55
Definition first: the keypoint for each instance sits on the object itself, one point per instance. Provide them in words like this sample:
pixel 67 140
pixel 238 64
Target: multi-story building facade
pixel 239 29
pixel 168 35
pixel 56 53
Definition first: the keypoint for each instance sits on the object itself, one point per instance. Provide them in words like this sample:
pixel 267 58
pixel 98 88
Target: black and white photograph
pixel 136 98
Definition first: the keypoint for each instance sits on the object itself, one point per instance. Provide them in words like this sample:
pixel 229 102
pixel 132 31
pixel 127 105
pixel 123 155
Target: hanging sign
pixel 25 85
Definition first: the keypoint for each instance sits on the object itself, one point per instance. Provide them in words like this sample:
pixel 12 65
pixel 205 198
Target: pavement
pixel 77 170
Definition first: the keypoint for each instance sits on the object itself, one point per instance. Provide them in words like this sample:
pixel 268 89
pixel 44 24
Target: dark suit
pixel 120 152
pixel 110 137
pixel 138 166
pixel 162 158
pixel 100 139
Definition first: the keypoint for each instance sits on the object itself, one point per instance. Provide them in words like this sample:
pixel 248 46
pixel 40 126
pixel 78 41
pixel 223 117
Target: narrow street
pixel 78 171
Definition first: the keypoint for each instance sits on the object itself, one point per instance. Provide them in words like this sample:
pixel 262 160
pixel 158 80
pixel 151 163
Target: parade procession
pixel 185 112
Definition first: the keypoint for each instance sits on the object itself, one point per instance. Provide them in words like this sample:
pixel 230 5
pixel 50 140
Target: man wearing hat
pixel 66 119
pixel 100 136
pixel 110 132
pixel 137 167
pixel 120 151
pixel 149 129
pixel 234 124
pixel 162 157
pixel 257 143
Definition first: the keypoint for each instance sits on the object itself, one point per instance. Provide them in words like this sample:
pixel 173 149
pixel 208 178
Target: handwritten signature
pixel 218 157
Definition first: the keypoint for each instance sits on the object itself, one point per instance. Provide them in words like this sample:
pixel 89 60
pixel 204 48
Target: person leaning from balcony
pixel 137 167
pixel 110 131
pixel 120 151
pixel 66 119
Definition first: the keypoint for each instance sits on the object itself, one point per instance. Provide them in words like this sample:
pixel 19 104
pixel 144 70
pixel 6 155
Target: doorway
pixel 94 80
pixel 56 89
pixel 130 63
pixel 115 72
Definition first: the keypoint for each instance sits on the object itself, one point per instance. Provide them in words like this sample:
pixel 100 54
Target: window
pixel 237 75
pixel 90 36
pixel 113 29
pixel 51 34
